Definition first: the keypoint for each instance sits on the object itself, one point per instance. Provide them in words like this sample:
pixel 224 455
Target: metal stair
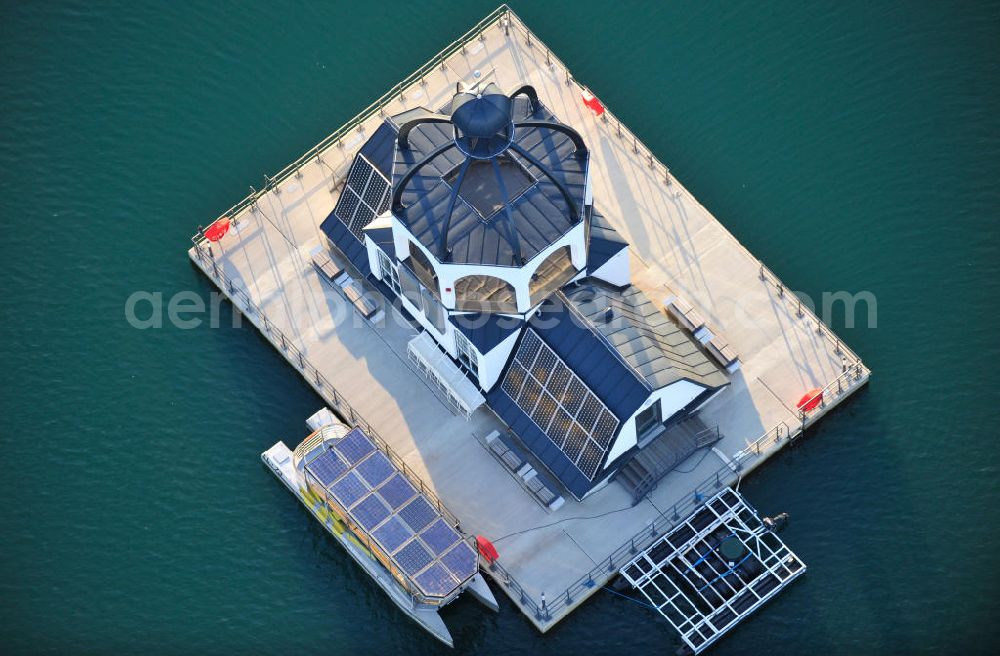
pixel 643 472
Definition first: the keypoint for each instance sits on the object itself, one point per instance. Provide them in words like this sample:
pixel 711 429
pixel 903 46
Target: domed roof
pixel 511 191
pixel 482 121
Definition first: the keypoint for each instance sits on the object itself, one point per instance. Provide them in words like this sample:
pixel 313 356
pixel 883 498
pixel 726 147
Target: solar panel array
pixel 380 500
pixel 560 404
pixel 365 196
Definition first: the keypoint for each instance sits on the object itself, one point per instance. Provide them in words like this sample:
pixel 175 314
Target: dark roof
pixel 540 214
pixel 383 239
pixel 347 242
pixel 654 347
pixel 538 443
pixel 485 331
pixel 605 242
pixel 364 196
pixel 379 149
pixel 590 357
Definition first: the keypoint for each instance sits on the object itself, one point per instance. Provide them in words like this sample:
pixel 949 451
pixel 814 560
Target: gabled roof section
pixel 605 242
pixel 652 345
pixel 590 357
pixel 485 331
pixel 364 196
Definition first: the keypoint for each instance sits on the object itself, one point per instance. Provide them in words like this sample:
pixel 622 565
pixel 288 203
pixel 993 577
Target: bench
pixel 537 484
pixel 684 314
pixel 325 265
pixel 362 303
pixel 723 353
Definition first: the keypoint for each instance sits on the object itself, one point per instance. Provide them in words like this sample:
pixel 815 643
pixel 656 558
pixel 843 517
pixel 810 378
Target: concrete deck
pixel 678 247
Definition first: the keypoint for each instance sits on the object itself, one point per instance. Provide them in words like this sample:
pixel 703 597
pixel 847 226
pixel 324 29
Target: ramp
pixel 716 567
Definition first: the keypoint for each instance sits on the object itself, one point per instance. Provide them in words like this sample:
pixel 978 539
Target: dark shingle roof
pixel 654 347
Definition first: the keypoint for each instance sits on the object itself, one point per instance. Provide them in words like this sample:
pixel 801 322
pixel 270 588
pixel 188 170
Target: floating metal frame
pixel 671 573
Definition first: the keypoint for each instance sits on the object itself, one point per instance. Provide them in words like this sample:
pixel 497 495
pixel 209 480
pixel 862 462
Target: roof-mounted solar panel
pixel 560 404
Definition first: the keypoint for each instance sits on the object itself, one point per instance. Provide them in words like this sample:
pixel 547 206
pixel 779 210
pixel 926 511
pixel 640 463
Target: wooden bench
pixel 724 353
pixel 542 489
pixel 362 303
pixel 325 264
pixel 684 313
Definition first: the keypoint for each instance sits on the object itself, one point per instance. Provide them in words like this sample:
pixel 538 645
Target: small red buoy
pixel 217 230
pixel 811 400
pixel 486 548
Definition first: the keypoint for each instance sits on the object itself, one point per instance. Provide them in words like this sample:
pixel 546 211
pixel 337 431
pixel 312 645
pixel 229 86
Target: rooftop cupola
pixel 492 179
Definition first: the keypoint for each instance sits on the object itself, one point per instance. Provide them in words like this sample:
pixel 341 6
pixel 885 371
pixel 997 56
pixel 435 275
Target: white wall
pixel 672 398
pixel 492 363
pixel 520 278
pixel 616 270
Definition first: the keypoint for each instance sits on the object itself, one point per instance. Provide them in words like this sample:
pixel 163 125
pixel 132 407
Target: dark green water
pixel 852 147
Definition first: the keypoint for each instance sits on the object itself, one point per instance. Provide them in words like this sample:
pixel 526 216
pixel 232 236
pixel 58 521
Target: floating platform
pixel 718 565
pixel 362 369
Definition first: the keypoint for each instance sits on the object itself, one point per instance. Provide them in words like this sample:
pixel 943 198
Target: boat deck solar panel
pixel 460 559
pixel 413 557
pixel 418 513
pixel 379 500
pixel 349 489
pixel 392 534
pixel 370 511
pixel 376 469
pixel 354 447
pixel 327 467
pixel 397 491
pixel 439 536
pixel 436 578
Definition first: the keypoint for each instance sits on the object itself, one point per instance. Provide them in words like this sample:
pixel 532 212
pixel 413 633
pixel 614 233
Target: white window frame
pixel 388 270
pixel 468 356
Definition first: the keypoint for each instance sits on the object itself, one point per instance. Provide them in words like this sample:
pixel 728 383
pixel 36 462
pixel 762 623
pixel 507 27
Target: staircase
pixel 641 474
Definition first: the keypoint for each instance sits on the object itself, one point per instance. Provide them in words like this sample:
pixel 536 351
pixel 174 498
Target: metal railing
pixel 319 382
pixel 727 474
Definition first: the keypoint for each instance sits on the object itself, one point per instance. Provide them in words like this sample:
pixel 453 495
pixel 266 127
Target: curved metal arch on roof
pixel 397 194
pixel 515 242
pixel 444 253
pixel 527 90
pixel 558 127
pixel 573 210
pixel 403 139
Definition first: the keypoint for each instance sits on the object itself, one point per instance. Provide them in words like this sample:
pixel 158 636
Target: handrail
pixel 319 382
pixel 725 475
